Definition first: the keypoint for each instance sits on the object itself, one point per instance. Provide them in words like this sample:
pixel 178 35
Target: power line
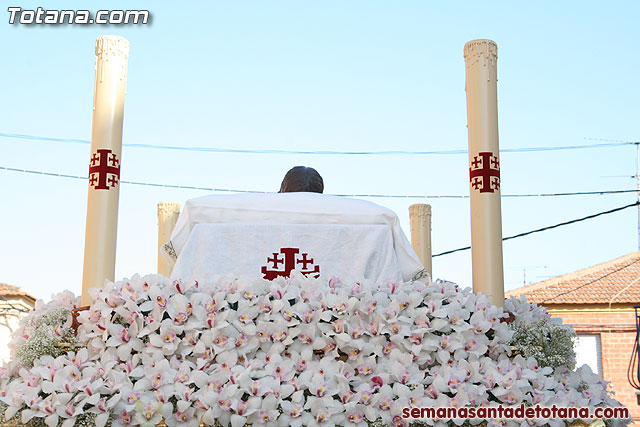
pixel 575 193
pixel 312 152
pixel 612 140
pixel 392 196
pixel 186 187
pixel 547 228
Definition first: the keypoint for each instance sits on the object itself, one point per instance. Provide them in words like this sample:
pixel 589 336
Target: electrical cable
pixel 390 196
pixel 311 152
pixel 370 195
pixel 546 228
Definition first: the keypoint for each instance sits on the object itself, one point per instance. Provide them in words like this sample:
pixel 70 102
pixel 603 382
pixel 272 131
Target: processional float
pixel 381 365
pixel 484 173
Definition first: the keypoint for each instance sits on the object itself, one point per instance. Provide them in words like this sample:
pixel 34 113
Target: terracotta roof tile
pixel 11 290
pixel 617 280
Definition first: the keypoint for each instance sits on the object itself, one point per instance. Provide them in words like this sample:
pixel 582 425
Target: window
pixel 588 352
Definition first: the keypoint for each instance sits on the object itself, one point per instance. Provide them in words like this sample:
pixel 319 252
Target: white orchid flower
pixel 125 340
pixel 54 405
pixel 325 411
pixel 221 403
pixel 152 318
pixel 102 409
pixel 166 339
pixel 294 415
pixel 183 416
pixel 148 414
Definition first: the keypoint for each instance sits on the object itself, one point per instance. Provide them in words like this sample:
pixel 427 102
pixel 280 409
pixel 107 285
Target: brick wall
pixel 617 331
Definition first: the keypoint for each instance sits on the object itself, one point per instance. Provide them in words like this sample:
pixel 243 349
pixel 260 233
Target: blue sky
pixel 331 75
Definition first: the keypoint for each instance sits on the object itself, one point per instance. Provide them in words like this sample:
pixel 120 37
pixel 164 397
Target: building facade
pixel 15 303
pixel 598 303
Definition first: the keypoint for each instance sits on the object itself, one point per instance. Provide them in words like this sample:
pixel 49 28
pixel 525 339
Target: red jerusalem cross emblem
pixel 289 263
pixel 484 172
pixel 104 170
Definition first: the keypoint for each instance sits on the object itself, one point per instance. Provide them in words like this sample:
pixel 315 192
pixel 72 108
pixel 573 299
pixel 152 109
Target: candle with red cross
pixel 484 168
pixel 112 53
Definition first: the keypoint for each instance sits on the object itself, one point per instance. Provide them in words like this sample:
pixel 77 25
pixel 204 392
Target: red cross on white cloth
pixel 290 261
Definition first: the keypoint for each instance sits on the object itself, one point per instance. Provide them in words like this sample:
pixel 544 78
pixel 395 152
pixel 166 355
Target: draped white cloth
pixel 260 230
pixel 350 252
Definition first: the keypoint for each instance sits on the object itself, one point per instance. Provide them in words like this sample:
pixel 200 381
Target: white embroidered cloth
pixel 350 252
pixel 289 208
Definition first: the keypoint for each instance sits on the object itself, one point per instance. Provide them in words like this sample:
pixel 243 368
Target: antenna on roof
pixel 530 267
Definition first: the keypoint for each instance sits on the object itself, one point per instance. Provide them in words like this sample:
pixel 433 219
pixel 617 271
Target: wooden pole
pixel 484 168
pixel 168 213
pixel 112 53
pixel 420 220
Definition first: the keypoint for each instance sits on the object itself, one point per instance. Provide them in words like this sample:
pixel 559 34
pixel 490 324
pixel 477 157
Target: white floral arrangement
pixel 291 352
pixel 50 333
pixel 548 341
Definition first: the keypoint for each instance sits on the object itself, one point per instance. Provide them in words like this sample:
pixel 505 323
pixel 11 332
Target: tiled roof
pixel 616 281
pixel 10 290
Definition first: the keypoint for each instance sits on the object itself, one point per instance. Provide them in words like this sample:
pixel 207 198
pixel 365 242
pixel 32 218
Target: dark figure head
pixel 302 178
